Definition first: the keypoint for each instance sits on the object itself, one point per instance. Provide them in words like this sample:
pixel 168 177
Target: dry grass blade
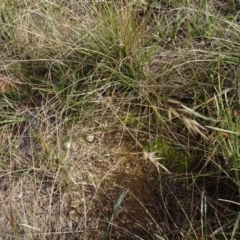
pixel 172 111
pixel 153 159
pixel 194 127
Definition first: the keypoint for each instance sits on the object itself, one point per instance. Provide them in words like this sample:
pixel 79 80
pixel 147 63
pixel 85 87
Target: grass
pixel 112 108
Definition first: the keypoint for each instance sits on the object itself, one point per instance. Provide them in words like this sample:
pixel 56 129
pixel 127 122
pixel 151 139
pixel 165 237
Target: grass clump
pixel 89 90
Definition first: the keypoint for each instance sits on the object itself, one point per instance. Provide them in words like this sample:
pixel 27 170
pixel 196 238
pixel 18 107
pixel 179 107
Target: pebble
pixel 89 138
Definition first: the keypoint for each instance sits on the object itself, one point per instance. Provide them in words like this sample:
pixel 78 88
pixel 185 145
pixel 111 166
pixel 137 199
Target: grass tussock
pixel 109 108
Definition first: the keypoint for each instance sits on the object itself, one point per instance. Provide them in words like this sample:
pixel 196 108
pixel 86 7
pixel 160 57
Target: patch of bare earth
pixel 114 166
pixel 74 197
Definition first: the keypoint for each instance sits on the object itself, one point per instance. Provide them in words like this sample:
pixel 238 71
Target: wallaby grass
pixel 153 73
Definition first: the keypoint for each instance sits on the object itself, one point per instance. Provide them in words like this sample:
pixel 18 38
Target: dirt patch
pixel 122 169
pixel 137 209
pixel 69 190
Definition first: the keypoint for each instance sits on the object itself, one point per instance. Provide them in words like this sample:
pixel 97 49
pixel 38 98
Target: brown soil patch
pixel 124 169
pixel 137 211
pixel 68 191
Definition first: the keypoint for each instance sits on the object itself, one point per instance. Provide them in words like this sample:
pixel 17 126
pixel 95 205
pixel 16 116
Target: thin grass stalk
pixel 116 206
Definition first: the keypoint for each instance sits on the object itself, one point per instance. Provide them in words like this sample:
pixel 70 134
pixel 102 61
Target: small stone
pixel 90 138
pixel 67 145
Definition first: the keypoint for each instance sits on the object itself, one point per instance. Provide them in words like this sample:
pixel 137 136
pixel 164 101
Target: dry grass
pixel 119 120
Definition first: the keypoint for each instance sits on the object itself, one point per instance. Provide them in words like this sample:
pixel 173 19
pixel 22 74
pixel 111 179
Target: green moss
pixel 175 158
pixel 130 118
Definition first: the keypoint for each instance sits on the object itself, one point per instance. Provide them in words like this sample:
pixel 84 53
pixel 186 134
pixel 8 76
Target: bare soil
pixel 76 200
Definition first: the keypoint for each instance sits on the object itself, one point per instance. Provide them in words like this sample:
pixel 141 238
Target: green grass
pixel 160 78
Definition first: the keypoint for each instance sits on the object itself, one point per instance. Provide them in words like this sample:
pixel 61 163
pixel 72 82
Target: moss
pixel 131 118
pixel 174 158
